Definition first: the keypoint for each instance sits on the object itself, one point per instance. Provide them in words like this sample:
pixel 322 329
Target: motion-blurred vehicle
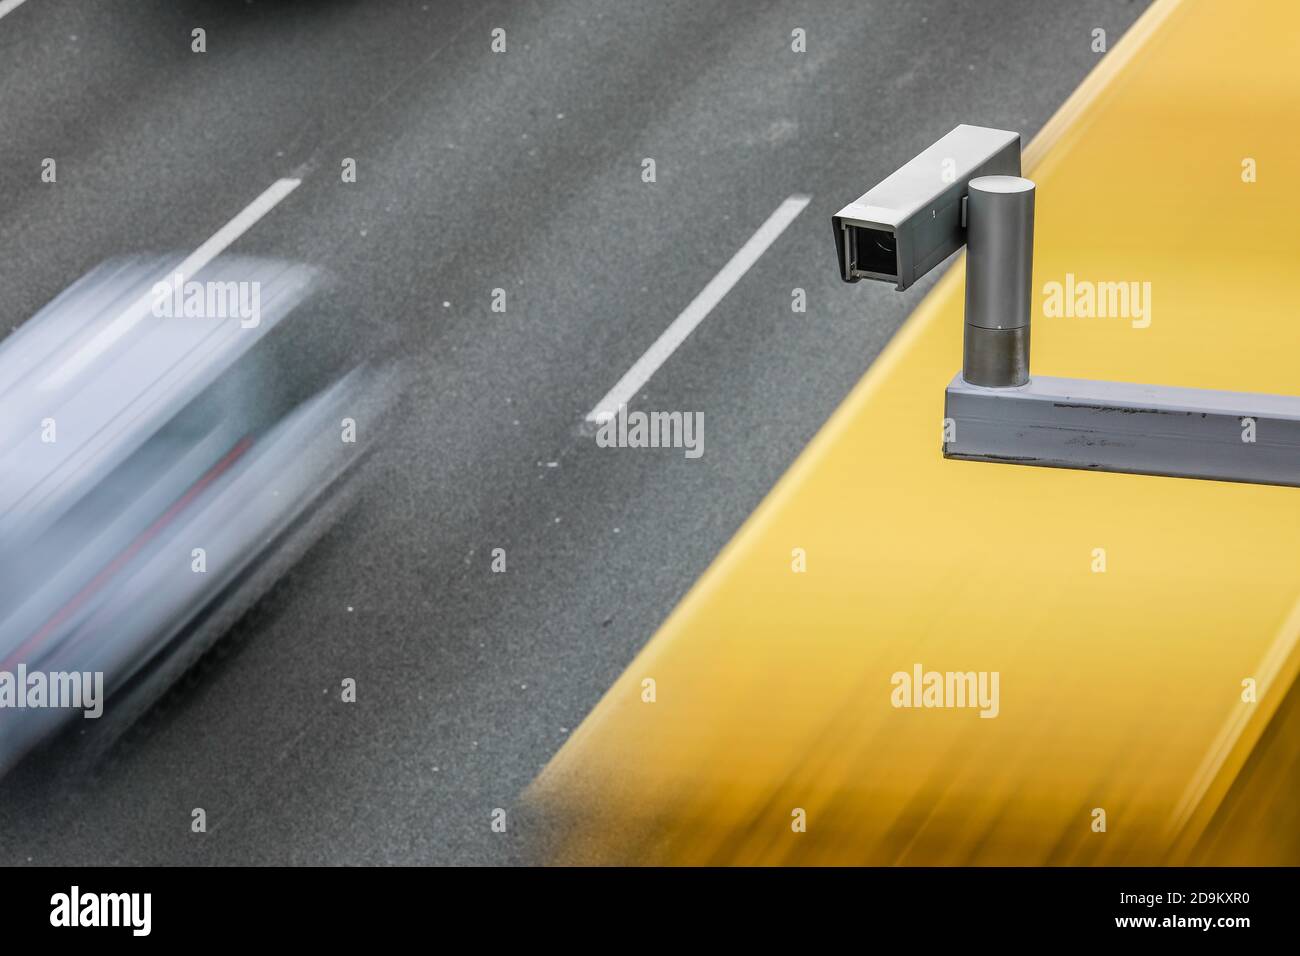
pixel 155 478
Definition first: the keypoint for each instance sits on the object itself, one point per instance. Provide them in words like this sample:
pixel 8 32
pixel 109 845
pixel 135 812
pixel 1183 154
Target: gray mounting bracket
pixel 995 411
pixel 966 189
pixel 1116 426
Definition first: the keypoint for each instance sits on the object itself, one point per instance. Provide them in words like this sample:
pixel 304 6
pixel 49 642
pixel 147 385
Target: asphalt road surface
pixel 478 170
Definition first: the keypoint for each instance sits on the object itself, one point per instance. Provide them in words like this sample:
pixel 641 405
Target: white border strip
pixel 9 6
pixel 632 382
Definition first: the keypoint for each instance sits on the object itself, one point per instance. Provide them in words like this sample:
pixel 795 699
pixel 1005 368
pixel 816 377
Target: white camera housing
pixel 914 219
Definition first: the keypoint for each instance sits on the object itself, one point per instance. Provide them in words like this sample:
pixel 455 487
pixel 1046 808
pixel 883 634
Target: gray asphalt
pixel 478 170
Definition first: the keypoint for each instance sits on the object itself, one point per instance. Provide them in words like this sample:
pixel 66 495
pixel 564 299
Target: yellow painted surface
pixel 1118 690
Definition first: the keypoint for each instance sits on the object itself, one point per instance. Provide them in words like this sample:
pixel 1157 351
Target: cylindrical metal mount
pixel 999 280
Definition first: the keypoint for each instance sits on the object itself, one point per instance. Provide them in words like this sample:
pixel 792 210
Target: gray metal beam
pixel 1123 427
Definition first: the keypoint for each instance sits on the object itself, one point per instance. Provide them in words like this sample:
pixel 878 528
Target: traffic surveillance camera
pixel 902 228
pixel 965 190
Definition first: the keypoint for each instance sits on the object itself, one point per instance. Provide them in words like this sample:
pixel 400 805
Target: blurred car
pixel 155 479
